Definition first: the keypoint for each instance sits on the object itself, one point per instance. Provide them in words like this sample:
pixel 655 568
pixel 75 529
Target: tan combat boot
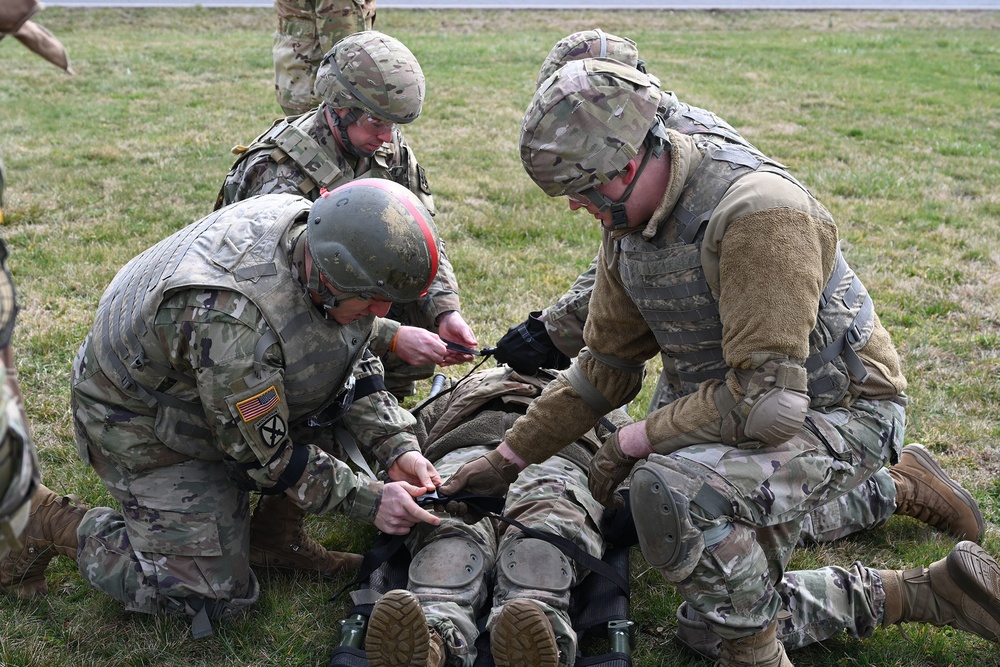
pixel 398 635
pixel 523 636
pixel 962 590
pixel 51 530
pixel 278 539
pixel 760 650
pixel 694 634
pixel 925 492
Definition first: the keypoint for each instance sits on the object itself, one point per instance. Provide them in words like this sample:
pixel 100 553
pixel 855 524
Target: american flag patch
pixel 255 406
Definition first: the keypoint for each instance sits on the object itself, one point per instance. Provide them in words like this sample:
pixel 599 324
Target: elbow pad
pixel 773 409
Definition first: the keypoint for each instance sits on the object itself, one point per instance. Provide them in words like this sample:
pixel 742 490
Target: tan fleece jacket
pixel 768 250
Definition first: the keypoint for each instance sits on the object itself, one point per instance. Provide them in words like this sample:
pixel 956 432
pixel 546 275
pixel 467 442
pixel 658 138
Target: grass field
pixel 890 118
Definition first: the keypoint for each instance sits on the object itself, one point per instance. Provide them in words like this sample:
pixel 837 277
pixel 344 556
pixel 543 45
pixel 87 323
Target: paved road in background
pixel 949 5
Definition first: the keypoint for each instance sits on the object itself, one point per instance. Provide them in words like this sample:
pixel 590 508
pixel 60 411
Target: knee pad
pixel 452 570
pixel 662 493
pixel 536 565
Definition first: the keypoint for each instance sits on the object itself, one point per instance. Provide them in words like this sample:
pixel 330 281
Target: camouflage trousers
pixel 550 496
pixel 180 542
pixel 815 606
pixel 740 512
pixel 867 506
pixel 19 472
pixel 307 29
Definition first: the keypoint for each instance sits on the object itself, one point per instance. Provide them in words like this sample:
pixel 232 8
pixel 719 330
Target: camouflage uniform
pixel 553 495
pixel 196 385
pixel 550 496
pixel 306 30
pixel 19 474
pixel 300 155
pixel 724 321
pixel 870 504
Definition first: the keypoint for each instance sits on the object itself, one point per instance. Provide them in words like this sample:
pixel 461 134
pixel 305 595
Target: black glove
pixel 527 348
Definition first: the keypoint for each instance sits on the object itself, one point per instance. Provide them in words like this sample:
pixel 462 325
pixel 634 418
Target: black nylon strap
pixel 489 506
pixel 368 385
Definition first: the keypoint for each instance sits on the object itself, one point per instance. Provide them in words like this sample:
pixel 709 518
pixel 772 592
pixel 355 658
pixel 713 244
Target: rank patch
pixel 255 406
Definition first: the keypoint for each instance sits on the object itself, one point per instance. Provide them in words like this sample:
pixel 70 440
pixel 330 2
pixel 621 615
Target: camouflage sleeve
pixel 442 295
pixel 211 336
pixel 383 332
pixel 376 420
pixel 564 320
pixel 402 166
pixel 260 175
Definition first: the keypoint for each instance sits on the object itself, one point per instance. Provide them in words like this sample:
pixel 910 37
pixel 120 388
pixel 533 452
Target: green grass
pixel 890 118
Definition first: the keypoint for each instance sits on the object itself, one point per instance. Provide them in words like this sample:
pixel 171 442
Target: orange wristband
pixel 392 345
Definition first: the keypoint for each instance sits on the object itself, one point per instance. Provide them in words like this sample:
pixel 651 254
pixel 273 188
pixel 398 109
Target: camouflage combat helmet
pixel 373 237
pixel 590 44
pixel 371 71
pixel 583 126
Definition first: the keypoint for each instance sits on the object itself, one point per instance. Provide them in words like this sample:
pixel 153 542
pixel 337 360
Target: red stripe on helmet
pixel 425 228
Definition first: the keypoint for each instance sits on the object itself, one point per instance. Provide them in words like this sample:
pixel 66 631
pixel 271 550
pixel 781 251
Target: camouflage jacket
pixel 300 155
pixel 478 410
pixel 211 335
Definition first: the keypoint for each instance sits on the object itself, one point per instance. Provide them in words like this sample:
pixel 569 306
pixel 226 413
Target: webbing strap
pixel 489 506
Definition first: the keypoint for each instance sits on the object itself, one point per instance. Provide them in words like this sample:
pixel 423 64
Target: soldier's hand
pixel 488 475
pixel 527 347
pixel 412 467
pixel 608 469
pixel 418 346
pixel 397 512
pixel 452 326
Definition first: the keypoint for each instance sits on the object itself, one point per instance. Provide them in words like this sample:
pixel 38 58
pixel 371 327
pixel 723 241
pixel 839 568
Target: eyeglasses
pixel 590 197
pixel 331 296
pixel 374 125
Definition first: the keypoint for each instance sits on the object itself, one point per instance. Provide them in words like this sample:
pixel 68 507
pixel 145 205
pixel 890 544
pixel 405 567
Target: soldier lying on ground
pixel 434 621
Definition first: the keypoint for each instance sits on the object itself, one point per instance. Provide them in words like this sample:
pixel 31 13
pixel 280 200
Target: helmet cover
pixel 584 124
pixel 589 44
pixel 374 72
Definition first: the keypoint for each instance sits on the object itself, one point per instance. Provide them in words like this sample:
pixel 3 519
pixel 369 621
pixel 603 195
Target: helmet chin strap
pixel 656 142
pixel 340 125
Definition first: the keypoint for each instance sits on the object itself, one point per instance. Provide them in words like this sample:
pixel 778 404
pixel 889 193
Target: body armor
pixel 241 249
pixel 289 139
pixel 666 280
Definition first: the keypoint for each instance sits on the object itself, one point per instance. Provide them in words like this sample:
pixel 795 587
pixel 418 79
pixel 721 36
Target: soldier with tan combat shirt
pixel 307 29
pixel 916 486
pixel 791 389
pixel 211 357
pixel 370 84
